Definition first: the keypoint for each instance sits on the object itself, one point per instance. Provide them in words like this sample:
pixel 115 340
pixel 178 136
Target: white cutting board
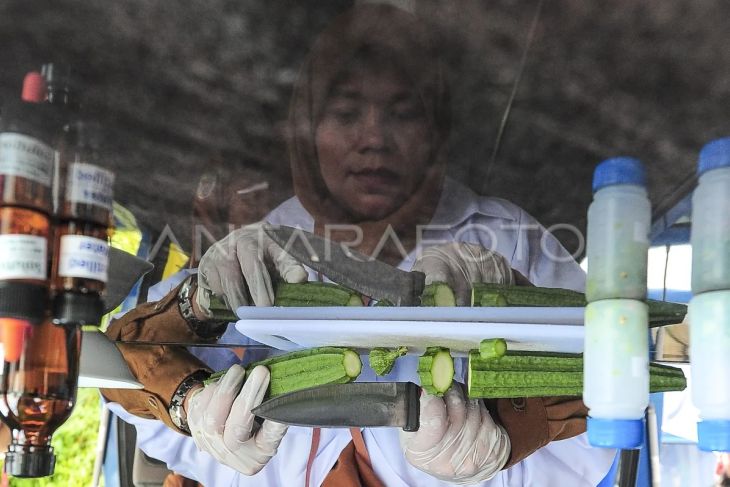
pixel 460 329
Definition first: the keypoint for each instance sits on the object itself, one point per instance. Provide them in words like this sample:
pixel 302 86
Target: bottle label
pixel 23 257
pixel 83 257
pixel 26 157
pixel 89 184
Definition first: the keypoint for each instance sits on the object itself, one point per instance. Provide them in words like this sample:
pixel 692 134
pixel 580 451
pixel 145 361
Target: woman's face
pixel 373 142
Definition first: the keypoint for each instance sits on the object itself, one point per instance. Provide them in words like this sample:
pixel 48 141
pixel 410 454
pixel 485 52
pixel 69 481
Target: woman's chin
pixel 373 207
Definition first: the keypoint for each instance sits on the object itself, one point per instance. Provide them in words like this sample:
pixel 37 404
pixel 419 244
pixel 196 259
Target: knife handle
pixel 413 407
pixel 419 284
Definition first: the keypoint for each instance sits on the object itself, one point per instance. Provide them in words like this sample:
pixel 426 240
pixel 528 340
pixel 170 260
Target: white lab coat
pixel 460 216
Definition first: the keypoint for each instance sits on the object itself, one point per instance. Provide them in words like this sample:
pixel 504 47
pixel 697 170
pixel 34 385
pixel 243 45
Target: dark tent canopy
pixel 177 84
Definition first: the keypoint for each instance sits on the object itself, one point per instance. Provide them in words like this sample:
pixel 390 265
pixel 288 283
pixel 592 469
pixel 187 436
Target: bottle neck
pixel 63 98
pixel 719 174
pixel 620 189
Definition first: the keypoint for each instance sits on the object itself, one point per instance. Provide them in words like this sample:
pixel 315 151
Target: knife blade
pixel 125 270
pixel 356 404
pixel 350 268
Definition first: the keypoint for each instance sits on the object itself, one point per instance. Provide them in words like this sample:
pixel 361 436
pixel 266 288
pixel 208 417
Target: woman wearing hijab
pixel 368 119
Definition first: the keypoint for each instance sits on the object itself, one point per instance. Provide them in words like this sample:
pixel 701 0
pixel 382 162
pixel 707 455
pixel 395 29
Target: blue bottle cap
pixel 714 155
pixel 619 170
pixel 714 435
pixel 625 434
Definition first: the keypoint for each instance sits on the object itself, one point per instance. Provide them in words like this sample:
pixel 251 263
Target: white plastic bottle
pixel 709 318
pixel 616 372
pixel 711 219
pixel 616 363
pixel 619 219
pixel 709 308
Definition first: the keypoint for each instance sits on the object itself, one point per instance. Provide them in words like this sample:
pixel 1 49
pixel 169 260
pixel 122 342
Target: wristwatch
pixel 204 329
pixel 177 413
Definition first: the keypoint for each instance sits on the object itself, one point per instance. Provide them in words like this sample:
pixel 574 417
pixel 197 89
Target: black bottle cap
pixel 23 301
pixel 71 308
pixel 30 461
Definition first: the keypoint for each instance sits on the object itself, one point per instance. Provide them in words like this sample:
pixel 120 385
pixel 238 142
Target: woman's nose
pixel 373 133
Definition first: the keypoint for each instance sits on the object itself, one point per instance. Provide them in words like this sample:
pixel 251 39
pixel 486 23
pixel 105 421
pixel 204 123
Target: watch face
pixel 176 411
pixel 187 287
pixel 186 307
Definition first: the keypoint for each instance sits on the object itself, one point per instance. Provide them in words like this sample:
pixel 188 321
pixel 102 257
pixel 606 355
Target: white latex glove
pixel 239 269
pixel 457 441
pixel 460 264
pixel 220 420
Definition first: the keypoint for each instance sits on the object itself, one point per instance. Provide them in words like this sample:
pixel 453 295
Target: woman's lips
pixel 373 180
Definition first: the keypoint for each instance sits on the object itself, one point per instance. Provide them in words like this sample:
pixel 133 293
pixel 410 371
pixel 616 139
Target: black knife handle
pixel 419 284
pixel 413 407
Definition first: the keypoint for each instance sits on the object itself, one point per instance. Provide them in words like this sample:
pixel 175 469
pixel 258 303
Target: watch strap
pixel 204 329
pixel 176 410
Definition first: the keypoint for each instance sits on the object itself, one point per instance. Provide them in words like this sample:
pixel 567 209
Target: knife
pixel 350 268
pixel 125 270
pixel 347 405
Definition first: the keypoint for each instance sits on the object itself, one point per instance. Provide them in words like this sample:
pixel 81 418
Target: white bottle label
pixel 89 184
pixel 26 157
pixel 23 257
pixel 83 257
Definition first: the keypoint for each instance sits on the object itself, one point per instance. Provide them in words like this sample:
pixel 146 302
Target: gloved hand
pixel 457 441
pixel 239 269
pixel 460 264
pixel 221 423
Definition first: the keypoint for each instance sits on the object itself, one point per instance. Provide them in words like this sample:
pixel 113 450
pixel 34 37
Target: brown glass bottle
pixel 79 272
pixel 26 170
pixel 85 187
pixel 81 262
pixel 84 214
pixel 23 245
pixel 38 394
pixel 27 155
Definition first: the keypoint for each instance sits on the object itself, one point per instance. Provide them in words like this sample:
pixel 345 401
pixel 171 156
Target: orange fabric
pixel 316 434
pixel 360 449
pixel 353 468
pixel 177 480
pixel 405 43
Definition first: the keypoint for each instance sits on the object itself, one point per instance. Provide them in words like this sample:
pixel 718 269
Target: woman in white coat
pixel 368 119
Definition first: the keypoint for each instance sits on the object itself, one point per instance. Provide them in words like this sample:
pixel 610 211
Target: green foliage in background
pixel 75 446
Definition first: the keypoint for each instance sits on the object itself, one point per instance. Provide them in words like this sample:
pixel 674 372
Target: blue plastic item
pixel 714 435
pixel 619 170
pixel 625 434
pixel 714 155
